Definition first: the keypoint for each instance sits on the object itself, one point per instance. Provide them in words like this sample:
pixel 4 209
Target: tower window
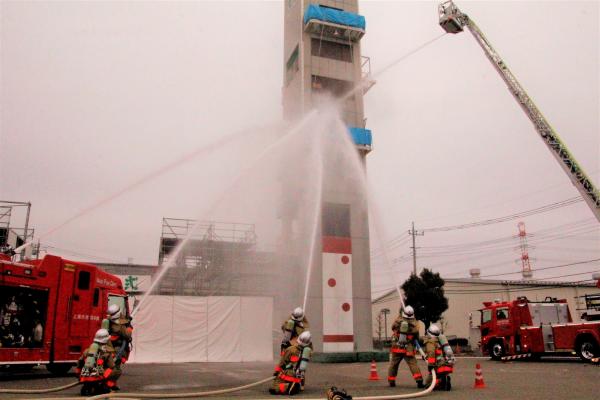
pixel 336 220
pixel 336 87
pixel 332 50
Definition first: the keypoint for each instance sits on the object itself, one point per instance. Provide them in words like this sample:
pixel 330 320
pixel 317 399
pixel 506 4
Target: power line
pixel 510 289
pixel 522 214
pixel 545 268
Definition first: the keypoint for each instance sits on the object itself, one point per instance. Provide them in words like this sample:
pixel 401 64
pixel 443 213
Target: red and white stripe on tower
pixel 338 326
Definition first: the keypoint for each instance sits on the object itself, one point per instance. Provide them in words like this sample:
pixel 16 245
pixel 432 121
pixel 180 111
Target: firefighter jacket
pixel 293 364
pixel 97 363
pixel 292 329
pixel 120 335
pixel 439 354
pixel 405 333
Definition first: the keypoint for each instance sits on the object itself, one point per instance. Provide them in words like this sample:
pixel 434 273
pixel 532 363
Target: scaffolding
pixel 216 259
pixel 11 235
pixel 5 212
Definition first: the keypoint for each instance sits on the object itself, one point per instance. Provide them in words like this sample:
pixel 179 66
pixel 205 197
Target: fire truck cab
pixel 51 308
pixel 537 328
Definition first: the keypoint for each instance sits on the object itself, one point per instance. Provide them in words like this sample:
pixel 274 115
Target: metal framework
pixel 524 247
pixel 453 21
pixel 21 235
pixel 5 213
pixel 217 258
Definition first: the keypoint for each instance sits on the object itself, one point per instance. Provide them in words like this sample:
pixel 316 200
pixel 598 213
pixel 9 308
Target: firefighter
pixel 289 373
pixel 405 333
pixel 120 330
pixel 439 357
pixel 96 366
pixel 292 328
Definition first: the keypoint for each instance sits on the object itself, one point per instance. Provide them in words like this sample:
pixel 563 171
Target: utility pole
pixel 385 313
pixel 415 233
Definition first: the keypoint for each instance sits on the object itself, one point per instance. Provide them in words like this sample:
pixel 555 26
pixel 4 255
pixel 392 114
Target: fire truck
pixel 50 310
pixel 536 328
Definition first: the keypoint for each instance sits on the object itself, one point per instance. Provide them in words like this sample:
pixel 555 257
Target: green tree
pixel 425 293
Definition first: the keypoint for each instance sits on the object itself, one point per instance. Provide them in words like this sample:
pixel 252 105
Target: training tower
pixel 322 55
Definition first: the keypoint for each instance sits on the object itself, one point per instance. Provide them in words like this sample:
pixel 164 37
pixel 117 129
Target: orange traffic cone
pixel 373 376
pixel 479 384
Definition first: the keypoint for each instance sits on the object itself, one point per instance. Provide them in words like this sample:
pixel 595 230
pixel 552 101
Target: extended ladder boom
pixel 453 21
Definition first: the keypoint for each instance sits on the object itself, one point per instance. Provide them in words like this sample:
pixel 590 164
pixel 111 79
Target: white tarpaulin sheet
pixel 200 329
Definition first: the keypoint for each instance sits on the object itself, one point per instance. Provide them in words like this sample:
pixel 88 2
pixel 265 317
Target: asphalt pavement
pixel 545 379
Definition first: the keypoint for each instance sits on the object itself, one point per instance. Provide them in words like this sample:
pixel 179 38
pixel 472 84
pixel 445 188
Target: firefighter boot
pixel 420 384
pixel 448 383
pixel 392 382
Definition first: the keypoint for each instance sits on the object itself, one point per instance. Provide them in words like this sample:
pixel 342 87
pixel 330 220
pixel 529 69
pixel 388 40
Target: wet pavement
pixel 546 379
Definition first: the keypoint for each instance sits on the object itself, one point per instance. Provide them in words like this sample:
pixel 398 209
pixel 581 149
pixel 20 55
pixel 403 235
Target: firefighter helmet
pixel 113 312
pixel 101 336
pixel 298 314
pixel 408 312
pixel 433 330
pixel 304 338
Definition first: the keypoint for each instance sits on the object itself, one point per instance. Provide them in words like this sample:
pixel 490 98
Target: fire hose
pixel 115 395
pixel 39 391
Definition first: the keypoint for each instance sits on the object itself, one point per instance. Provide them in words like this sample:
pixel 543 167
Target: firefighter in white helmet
pixel 96 366
pixel 405 332
pixel 291 369
pixel 439 357
pixel 293 327
pixel 120 330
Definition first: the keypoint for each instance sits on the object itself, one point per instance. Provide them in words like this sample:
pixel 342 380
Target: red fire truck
pixel 50 310
pixel 536 328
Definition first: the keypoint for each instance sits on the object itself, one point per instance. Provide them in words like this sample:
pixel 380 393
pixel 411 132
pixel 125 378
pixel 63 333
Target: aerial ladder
pixel 452 20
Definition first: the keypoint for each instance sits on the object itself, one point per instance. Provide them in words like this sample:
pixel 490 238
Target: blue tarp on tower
pixel 360 136
pixel 314 11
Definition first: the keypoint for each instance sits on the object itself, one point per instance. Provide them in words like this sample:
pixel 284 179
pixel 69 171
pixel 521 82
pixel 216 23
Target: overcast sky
pixel 96 94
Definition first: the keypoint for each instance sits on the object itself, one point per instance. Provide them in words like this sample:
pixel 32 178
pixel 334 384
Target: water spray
pixel 144 179
pixel 173 256
pixel 317 214
pixel 355 160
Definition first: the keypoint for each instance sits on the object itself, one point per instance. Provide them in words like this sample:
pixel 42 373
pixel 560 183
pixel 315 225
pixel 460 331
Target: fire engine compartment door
pixel 81 305
pixel 23 312
pixel 548 313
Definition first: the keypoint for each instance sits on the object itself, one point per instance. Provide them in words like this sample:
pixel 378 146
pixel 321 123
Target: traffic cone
pixel 373 376
pixel 479 384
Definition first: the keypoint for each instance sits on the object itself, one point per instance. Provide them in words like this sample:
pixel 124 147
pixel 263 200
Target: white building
pixel 466 297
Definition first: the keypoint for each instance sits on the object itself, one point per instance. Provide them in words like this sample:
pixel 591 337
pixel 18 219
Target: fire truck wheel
pixel 59 368
pixel 587 349
pixel 496 350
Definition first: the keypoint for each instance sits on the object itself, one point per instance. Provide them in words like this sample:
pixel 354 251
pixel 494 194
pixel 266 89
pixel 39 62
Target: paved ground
pixel 547 379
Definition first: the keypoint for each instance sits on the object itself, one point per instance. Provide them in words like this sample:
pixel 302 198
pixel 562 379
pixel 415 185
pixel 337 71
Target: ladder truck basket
pixel 451 19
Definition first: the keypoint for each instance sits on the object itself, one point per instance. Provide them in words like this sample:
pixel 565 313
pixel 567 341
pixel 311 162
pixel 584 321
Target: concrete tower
pixel 322 54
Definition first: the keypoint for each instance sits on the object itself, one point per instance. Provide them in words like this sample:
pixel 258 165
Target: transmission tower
pixel 525 262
